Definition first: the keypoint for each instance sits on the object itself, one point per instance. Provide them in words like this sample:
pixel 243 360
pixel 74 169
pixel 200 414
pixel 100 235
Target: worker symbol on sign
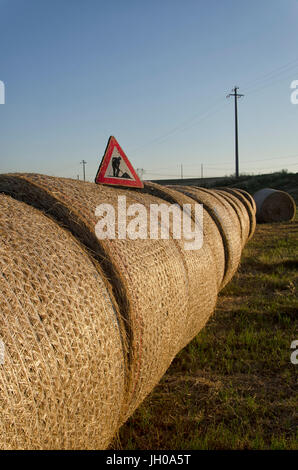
pixel 115 168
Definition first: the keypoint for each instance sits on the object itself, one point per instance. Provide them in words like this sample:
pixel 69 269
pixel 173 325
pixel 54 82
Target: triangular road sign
pixel 116 169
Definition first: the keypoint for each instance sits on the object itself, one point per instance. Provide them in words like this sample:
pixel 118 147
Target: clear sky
pixel 153 73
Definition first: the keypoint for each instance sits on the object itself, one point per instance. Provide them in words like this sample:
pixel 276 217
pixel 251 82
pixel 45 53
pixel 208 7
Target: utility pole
pixel 202 170
pixel 182 172
pixel 83 163
pixel 236 96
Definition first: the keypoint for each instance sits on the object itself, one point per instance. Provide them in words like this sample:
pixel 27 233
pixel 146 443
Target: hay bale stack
pixel 200 269
pixel 165 293
pixel 212 240
pixel 274 206
pixel 247 206
pixel 227 223
pixel 249 198
pixel 148 277
pixel 240 211
pixel 62 382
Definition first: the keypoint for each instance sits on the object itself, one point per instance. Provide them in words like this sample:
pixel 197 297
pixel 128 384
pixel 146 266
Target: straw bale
pixel 245 201
pixel 225 220
pixel 165 293
pixel 148 277
pixel 249 198
pixel 213 246
pixel 200 270
pixel 240 211
pixel 274 206
pixel 62 382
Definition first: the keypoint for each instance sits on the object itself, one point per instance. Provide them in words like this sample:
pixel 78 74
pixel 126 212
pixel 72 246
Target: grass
pixel 233 386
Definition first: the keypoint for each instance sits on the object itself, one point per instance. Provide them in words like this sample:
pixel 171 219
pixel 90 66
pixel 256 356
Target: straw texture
pixel 212 239
pixel 91 324
pixel 62 382
pixel 249 198
pixel 246 206
pixel 148 276
pixel 200 268
pixel 227 223
pixel 274 206
pixel 240 212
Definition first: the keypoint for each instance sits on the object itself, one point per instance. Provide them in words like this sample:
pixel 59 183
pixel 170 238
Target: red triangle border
pixel 101 179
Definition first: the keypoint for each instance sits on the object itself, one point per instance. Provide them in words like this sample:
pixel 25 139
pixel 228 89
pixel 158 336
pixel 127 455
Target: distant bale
pixel 62 381
pixel 274 206
pixel 227 223
pixel 248 206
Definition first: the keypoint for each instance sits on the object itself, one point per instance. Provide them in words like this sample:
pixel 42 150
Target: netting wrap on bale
pixel 213 248
pixel 274 206
pixel 62 378
pixel 200 287
pixel 247 201
pixel 240 211
pixel 227 223
pixel 110 312
pixel 249 198
pixel 148 276
pixel 200 267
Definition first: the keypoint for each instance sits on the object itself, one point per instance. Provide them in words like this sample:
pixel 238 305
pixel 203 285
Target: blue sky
pixel 155 74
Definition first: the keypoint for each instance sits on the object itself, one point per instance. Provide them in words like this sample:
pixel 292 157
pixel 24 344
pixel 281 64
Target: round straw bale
pixel 201 274
pixel 62 378
pixel 148 276
pixel 247 205
pixel 240 211
pixel 227 222
pixel 274 206
pixel 249 198
pixel 210 231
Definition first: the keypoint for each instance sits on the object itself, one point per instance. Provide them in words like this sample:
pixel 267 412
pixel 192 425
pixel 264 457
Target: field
pixel 233 386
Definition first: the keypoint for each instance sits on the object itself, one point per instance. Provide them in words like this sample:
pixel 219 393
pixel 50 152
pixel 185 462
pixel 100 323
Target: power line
pixel 269 159
pixel 185 125
pixel 189 123
pixel 281 165
pixel 221 168
pixel 194 120
pixel 198 117
pixel 216 165
pixel 271 75
pixel 255 161
pixel 256 90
